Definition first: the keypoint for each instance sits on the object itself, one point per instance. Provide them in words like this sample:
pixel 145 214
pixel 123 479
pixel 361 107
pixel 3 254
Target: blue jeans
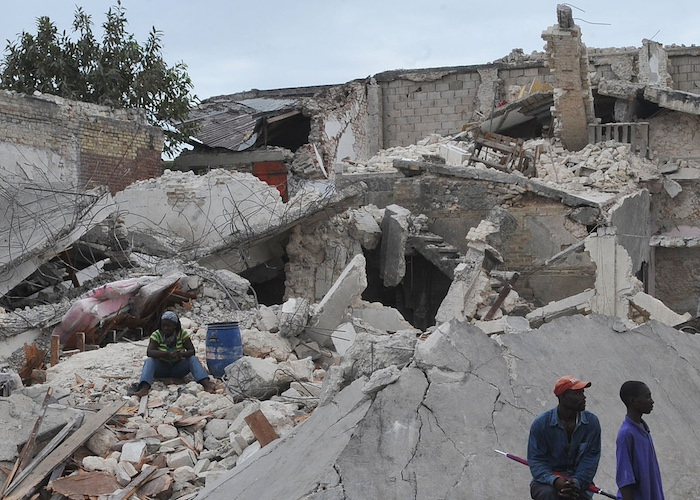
pixel 155 368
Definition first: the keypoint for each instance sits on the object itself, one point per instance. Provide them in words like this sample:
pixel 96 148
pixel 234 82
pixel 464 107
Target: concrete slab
pixel 332 309
pixel 432 432
pixel 392 264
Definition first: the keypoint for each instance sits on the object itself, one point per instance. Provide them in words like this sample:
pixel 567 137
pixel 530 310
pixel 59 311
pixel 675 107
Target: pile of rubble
pixel 180 435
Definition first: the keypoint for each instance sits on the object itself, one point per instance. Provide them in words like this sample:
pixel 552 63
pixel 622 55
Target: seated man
pixel 171 354
pixel 563 449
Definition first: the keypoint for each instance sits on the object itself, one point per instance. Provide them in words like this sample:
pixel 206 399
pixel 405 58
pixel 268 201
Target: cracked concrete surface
pixel 432 433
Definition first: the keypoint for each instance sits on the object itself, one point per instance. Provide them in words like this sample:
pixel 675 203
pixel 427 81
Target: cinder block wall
pixel 82 144
pixel 417 103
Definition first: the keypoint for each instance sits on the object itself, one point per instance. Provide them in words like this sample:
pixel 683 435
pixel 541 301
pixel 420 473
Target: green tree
pixel 119 72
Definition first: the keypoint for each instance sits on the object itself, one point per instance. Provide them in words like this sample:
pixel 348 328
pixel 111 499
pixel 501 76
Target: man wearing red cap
pixel 563 449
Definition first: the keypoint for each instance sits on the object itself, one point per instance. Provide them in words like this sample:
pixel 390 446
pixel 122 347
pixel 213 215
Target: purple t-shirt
pixel 636 461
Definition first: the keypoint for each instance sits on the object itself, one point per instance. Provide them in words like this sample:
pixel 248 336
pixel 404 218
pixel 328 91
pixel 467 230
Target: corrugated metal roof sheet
pixel 232 124
pixel 267 104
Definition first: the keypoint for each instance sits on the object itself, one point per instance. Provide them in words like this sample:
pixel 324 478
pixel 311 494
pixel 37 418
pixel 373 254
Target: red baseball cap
pixel 569 382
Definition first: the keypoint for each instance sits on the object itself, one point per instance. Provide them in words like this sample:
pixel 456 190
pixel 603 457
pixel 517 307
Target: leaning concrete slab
pixel 18 414
pixel 432 432
pixel 40 222
pixel 392 266
pixel 656 310
pixel 333 307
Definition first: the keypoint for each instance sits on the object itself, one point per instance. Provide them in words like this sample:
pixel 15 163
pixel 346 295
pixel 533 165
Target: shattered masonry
pixel 410 258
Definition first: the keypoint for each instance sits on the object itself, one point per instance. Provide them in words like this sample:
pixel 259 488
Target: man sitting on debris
pixel 563 449
pixel 171 354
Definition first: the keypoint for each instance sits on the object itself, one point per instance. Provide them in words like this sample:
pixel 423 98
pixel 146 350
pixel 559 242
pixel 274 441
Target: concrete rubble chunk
pixel 343 337
pixel 263 343
pixel 101 442
pixel 293 317
pixel 381 378
pixel 332 309
pixel 267 319
pixel 657 310
pixel 392 263
pixel 181 458
pixel 576 304
pixel 184 474
pixel 91 463
pixel 217 427
pixel 381 317
pixel 133 452
pixel 167 431
pixel 260 378
pixel 364 227
pixel 18 414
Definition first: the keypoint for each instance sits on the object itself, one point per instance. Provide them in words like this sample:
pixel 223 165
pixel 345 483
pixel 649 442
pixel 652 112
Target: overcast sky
pixel 230 46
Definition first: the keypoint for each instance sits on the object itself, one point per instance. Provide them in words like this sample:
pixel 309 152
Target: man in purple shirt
pixel 638 475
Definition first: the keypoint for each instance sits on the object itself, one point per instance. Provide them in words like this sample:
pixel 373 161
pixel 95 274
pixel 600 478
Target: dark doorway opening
pixel 419 294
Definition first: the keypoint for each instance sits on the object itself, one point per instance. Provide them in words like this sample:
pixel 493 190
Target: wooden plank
pixel 57 439
pixel 65 450
pixel 143 406
pixel 261 427
pixel 28 447
pixel 135 484
pixel 55 346
pixel 80 341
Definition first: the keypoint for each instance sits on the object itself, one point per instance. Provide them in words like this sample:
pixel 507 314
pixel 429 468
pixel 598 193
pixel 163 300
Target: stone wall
pixel 677 278
pixel 674 135
pixel 49 138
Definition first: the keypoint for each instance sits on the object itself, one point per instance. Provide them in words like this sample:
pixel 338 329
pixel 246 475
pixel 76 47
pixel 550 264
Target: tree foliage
pixel 119 72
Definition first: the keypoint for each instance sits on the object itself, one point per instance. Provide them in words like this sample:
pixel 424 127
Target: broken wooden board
pixel 64 451
pixel 86 484
pixel 261 427
pixel 187 421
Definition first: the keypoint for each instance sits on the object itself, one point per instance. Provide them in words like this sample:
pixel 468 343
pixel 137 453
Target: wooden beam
pixel 28 447
pixel 55 346
pixel 65 450
pixel 261 427
pixel 58 439
pixel 80 341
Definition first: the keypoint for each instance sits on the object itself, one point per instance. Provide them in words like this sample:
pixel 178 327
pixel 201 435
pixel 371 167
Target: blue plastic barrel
pixel 223 346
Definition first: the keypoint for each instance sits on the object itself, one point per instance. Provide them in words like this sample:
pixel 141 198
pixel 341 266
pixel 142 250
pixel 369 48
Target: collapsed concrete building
pixel 392 248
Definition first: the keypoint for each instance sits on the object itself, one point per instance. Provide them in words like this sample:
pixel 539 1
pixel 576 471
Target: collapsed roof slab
pixel 241 253
pixel 432 432
pixel 673 99
pixel 41 222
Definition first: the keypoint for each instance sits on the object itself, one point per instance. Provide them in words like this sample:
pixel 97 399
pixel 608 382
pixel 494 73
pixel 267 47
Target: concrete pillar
pixel 375 111
pixel 653 65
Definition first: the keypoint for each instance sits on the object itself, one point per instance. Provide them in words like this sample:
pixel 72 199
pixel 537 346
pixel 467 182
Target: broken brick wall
pixel 677 278
pixel 674 135
pixel 83 144
pixel 317 255
pixel 340 123
pixel 416 103
pixel 675 268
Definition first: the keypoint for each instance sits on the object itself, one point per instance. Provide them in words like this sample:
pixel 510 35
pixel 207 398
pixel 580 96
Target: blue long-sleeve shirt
pixel 549 448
